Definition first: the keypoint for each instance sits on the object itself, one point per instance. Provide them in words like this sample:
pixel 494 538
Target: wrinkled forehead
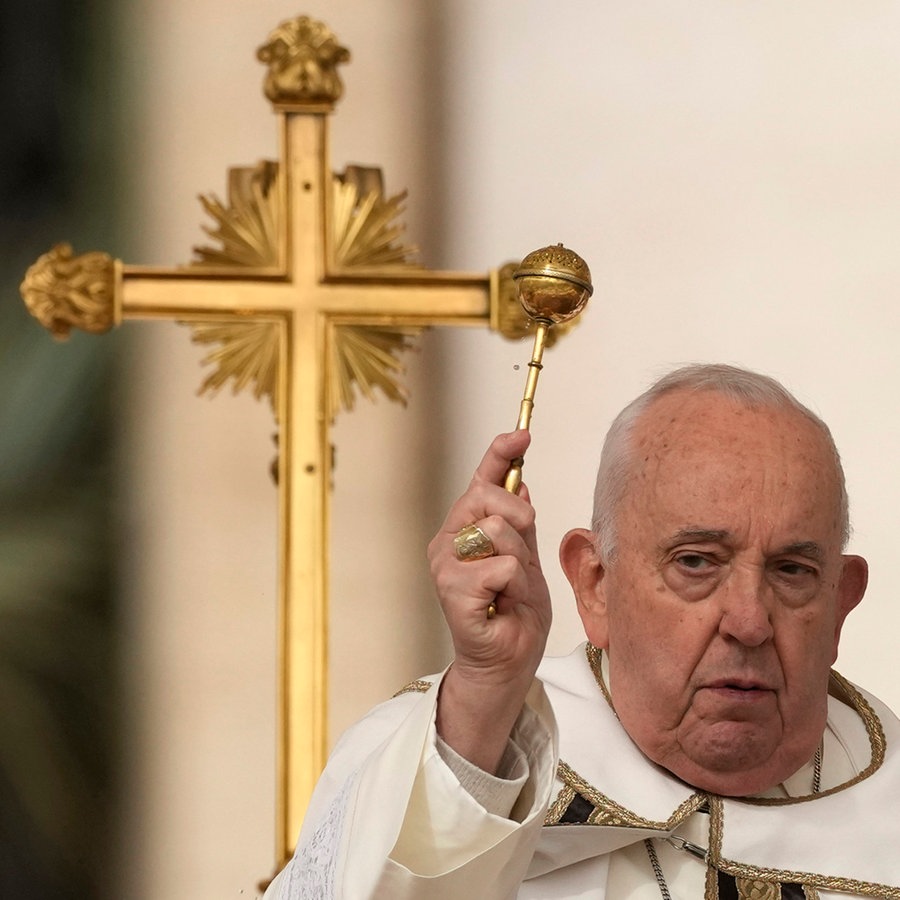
pixel 689 418
pixel 686 436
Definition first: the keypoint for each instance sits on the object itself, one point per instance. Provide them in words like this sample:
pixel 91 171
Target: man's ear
pixel 851 587
pixel 580 561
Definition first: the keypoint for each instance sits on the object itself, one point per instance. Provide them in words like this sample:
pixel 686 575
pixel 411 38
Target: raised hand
pixel 496 656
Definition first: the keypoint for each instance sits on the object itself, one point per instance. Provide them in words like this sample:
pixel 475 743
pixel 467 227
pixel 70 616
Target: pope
pixel 697 744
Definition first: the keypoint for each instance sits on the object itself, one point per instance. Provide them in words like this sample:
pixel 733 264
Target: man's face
pixel 722 607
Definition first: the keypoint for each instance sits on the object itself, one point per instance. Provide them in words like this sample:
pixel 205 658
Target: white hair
pixel 750 389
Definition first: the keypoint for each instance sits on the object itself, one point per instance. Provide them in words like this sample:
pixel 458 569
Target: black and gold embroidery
pixel 579 803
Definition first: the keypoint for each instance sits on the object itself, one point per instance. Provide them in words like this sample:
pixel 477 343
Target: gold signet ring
pixel 472 543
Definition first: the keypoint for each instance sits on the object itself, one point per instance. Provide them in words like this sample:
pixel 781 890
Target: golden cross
pixel 308 295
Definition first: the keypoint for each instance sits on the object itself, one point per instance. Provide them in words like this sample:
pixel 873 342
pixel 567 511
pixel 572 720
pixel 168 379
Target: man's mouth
pixel 738 684
pixel 734 699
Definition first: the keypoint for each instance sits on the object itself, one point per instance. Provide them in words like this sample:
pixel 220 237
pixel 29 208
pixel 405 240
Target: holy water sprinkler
pixel 553 285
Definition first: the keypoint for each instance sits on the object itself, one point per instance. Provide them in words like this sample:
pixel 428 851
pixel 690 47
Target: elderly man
pixel 698 745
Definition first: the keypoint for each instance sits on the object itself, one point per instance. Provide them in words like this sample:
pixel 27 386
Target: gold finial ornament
pixel 63 291
pixel 303 55
pixel 554 284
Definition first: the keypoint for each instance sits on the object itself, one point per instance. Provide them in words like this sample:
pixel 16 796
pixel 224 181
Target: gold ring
pixel 471 543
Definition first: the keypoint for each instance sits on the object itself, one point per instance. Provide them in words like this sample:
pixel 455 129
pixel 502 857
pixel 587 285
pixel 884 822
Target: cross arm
pixel 95 292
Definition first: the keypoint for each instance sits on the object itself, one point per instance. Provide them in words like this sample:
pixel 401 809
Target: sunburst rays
pixel 365 234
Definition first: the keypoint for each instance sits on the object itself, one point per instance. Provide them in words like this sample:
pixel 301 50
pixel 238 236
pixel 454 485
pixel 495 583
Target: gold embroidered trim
pixel 559 806
pixel 842 690
pixel 606 810
pixel 712 883
pixel 753 889
pixel 414 687
pixel 838 687
pixel 594 657
pixel 810 880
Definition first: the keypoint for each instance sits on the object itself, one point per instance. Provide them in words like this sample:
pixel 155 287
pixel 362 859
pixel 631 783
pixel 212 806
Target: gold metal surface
pixel 248 353
pixel 471 544
pixel 365 223
pixel 554 285
pixel 63 291
pixel 249 227
pixel 365 232
pixel 303 55
pixel 306 296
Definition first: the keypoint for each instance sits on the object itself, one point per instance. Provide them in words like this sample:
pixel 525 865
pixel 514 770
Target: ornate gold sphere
pixel 554 283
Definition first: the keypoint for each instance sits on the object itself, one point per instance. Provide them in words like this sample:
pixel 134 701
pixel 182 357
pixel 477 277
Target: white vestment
pixel 389 818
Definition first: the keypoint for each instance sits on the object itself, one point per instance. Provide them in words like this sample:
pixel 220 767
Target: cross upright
pixel 308 295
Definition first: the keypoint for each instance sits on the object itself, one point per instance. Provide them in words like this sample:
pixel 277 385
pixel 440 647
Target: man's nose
pixel 745 599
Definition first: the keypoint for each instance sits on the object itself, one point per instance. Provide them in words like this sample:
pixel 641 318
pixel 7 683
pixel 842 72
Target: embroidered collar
pixel 838 687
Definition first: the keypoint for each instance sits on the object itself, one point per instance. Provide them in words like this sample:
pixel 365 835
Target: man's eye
pixel 795 569
pixel 692 561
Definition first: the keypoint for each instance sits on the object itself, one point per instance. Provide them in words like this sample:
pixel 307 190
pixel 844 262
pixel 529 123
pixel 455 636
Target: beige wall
pixel 731 175
pixel 729 172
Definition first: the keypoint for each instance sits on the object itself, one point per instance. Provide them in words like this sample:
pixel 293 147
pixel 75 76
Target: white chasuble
pixel 389 819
